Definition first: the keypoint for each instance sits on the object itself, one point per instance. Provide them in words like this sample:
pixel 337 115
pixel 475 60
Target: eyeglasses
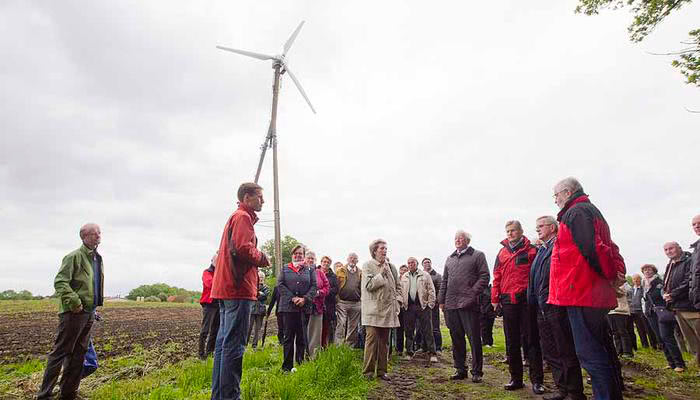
pixel 559 192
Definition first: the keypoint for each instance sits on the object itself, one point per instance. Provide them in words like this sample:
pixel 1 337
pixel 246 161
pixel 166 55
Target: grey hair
pixel 571 184
pixel 516 223
pixel 353 254
pixel 375 245
pixel 310 253
pixel 550 220
pixel 412 258
pixel 465 235
pixel 86 229
pixel 261 275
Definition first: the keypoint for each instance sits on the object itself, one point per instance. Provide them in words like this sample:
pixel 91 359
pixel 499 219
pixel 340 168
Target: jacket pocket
pixel 522 259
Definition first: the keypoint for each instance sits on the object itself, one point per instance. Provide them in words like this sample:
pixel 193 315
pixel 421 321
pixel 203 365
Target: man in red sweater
pixel 235 285
pixel 511 275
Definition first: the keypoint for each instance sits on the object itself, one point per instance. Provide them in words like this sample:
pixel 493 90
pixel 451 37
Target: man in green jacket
pixel 79 285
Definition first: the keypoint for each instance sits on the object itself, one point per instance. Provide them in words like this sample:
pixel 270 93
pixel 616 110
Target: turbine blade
pixel 298 85
pixel 259 56
pixel 291 39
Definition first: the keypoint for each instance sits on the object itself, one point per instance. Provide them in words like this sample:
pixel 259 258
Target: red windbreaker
pixel 207 277
pixel 585 260
pixel 248 256
pixel 511 272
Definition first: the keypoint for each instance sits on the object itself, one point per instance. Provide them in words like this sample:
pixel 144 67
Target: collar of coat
pixel 469 251
pixel 88 251
pixel 696 245
pixel 523 242
pixel 249 211
pixel 576 197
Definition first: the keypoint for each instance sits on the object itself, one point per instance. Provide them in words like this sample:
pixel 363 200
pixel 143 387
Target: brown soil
pixel 31 335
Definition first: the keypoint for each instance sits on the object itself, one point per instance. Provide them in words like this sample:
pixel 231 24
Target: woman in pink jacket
pixel 315 326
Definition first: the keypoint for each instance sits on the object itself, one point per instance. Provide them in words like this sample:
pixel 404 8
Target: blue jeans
pixel 671 350
pixel 234 318
pixel 596 351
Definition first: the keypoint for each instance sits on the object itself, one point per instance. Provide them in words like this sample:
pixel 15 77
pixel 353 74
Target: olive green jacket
pixel 74 281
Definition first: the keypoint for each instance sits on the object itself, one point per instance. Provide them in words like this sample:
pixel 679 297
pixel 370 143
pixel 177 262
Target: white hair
pixel 261 275
pixel 571 184
pixel 87 229
pixel 465 235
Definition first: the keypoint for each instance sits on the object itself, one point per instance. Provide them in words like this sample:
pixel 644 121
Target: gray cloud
pixel 431 119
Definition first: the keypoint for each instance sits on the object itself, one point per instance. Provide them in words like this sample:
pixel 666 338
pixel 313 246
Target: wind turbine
pixel 279 64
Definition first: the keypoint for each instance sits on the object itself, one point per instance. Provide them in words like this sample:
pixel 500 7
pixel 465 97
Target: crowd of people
pixel 564 299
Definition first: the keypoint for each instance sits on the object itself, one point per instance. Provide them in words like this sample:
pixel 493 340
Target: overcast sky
pixel 431 118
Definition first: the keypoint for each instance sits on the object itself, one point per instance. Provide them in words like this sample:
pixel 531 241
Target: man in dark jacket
pixel 553 323
pixel 210 313
pixel 79 284
pixel 511 274
pixel 585 268
pixel 465 276
pixel 437 281
pixel 677 292
pixel 235 284
pixel 695 281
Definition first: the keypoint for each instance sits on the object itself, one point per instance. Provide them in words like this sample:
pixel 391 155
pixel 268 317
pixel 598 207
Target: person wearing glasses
pixel 585 269
pixel 552 321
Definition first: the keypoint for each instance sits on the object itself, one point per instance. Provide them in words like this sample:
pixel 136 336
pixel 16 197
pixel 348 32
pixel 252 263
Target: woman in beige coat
pixel 381 303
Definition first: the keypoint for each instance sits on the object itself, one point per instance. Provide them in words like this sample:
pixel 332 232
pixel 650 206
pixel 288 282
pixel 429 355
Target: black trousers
pixel 465 322
pixel 415 313
pixel 620 333
pixel 520 328
pixel 68 352
pixel 487 329
pixel 645 334
pixel 630 332
pixel 209 329
pixel 400 332
pixel 294 344
pixel 559 350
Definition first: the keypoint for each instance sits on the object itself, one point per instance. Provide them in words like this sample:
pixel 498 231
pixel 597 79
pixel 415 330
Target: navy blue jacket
pixel 292 284
pixel 538 286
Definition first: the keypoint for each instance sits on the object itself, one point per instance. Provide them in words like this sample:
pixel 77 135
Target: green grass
pixel 22 306
pixel 335 374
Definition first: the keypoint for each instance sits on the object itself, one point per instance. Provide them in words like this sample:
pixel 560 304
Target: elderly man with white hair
pixel 694 320
pixel 348 305
pixel 418 299
pixel 586 267
pixel 79 284
pixel 465 276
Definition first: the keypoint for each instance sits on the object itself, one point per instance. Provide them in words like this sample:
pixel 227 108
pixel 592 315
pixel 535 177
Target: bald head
pixel 90 235
pixel 696 224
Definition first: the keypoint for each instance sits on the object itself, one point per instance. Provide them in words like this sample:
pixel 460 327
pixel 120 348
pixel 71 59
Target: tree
pixel 159 289
pixel 647 15
pixel 12 295
pixel 288 242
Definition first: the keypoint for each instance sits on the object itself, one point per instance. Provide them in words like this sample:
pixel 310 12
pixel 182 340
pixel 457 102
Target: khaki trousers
pixel 376 350
pixel 689 321
pixel 348 314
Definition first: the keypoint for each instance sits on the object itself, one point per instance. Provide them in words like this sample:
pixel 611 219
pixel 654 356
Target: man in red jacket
pixel 235 285
pixel 586 267
pixel 511 274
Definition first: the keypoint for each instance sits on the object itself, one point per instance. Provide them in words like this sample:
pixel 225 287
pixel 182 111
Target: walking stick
pixel 267 317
